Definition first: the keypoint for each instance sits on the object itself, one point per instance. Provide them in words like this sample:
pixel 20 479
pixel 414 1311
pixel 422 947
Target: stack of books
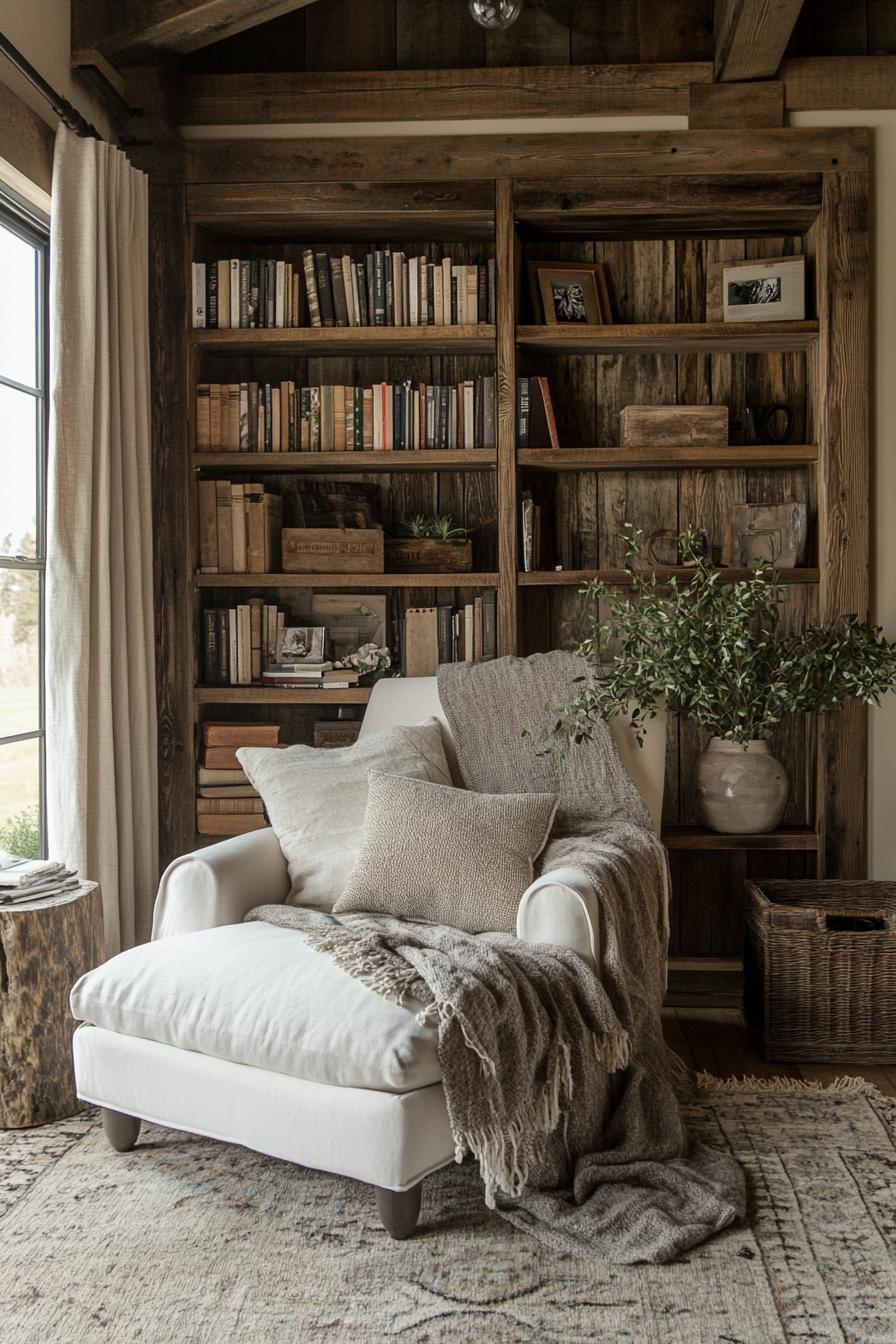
pixel 308 674
pixel 535 422
pixel 237 642
pixel 239 528
pixel 386 289
pixel 226 802
pixel 446 634
pixel 288 418
pixel 33 879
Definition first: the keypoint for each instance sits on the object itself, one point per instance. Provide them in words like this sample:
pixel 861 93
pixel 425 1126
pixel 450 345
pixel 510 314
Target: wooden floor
pixel 716 1039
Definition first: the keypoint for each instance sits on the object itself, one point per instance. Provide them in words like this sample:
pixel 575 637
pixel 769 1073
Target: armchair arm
pixel 561 907
pixel 220 884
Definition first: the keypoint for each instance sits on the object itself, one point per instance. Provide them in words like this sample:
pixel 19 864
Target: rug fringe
pixel 845 1085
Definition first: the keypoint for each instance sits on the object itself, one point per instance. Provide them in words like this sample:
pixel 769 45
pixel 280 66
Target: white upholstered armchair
pixel 243 1033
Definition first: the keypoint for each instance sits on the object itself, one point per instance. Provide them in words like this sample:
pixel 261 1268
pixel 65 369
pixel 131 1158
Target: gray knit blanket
pixel 556 1080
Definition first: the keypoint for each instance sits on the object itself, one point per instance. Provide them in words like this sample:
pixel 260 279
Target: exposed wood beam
pixel 167 25
pixel 434 158
pixel 751 36
pixel 532 91
pixel 751 103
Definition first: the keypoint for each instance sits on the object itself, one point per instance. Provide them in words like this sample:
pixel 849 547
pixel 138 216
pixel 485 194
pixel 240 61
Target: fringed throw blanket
pixel 557 1081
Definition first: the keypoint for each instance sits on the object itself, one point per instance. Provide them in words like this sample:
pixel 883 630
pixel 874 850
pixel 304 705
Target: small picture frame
pixel 302 643
pixel 566 293
pixel 765 291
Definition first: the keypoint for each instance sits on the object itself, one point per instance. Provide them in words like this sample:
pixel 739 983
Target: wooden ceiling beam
pixel 533 91
pixel 132 32
pixel 751 37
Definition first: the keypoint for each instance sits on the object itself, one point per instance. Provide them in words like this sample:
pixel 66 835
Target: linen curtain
pixel 100 654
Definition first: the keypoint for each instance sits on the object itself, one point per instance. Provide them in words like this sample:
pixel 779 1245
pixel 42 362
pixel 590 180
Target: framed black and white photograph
pixel 566 293
pixel 300 643
pixel 765 291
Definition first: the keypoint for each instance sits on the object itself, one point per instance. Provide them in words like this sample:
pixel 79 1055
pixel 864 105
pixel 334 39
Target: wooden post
pixel 45 946
pixel 505 382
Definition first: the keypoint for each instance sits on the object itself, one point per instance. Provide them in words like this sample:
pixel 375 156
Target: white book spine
pixel 413 294
pixel 198 293
pixel 377 417
pixel 232 646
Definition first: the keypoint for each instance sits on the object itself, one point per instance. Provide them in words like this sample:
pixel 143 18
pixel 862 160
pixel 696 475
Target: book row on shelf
pixel 239 528
pixel 386 289
pixel 253 643
pixel 285 417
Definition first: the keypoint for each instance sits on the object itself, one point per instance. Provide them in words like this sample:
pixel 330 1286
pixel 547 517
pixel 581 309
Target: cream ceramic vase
pixel 740 791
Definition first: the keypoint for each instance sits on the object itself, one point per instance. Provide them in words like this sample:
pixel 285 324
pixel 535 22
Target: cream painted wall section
pixel 41 29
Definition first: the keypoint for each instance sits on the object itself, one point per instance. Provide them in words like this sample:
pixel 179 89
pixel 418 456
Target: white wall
pixel 41 29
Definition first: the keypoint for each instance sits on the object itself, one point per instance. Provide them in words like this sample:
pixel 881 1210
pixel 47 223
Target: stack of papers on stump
pixel 30 879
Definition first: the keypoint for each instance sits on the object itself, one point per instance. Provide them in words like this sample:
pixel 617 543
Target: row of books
pixel 288 418
pixel 238 642
pixel 386 289
pixel 226 803
pixel 239 528
pixel 449 634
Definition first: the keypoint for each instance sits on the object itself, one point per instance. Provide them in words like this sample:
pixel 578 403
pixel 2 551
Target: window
pixel 23 434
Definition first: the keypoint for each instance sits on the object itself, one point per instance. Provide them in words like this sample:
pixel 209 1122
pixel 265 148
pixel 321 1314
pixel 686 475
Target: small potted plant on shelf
pixel 432 544
pixel 714 652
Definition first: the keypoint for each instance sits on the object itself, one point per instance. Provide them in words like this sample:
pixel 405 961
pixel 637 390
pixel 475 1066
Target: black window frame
pixel 31 225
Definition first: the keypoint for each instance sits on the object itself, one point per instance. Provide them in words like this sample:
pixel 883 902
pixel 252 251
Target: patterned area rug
pixel 185 1241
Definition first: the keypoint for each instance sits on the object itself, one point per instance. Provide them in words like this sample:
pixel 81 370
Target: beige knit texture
pixel 446 855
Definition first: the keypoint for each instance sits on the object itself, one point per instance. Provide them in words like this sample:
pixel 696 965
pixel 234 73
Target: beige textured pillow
pixel 316 800
pixel 446 855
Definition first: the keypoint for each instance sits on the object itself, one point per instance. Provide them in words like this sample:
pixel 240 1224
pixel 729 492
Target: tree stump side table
pixel 45 946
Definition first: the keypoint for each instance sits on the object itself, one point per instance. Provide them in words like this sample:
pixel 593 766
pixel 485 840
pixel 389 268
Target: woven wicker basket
pixel 814 990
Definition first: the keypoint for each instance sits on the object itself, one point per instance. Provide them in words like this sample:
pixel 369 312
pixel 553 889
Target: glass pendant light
pixel 495 15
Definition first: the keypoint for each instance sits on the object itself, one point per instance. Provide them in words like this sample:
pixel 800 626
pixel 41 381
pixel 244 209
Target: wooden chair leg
pixel 122 1131
pixel 399 1210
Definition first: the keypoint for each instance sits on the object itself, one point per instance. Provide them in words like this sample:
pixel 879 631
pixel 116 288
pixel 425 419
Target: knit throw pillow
pixel 316 800
pixel 445 855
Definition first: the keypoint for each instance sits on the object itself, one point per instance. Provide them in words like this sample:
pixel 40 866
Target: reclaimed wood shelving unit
pixel 658 208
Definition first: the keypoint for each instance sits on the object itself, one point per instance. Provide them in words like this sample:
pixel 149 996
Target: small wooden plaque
pixel 673 426
pixel 332 550
pixel 336 732
pixel 772 532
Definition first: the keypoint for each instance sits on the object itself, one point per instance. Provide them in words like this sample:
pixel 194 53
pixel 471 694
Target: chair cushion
pixel 258 995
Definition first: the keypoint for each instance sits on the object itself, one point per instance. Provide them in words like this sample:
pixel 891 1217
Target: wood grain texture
pixel 735 105
pixel 841 262
pixel 169 25
pixel 532 155
pixel 26 141
pixel 751 36
pixel 44 948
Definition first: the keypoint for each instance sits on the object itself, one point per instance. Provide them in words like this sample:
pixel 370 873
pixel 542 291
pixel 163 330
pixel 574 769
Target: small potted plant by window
pixel 714 653
pixel 432 544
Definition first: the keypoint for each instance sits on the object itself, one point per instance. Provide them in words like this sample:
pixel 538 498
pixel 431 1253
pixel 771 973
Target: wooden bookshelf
pixel 549 578
pixel 673 338
pixel 425 459
pixel 347 581
pixel 304 341
pixel 751 455
pixel 630 205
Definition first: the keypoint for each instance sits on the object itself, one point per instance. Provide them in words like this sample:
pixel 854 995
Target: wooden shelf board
pixel 468 459
pixel 340 340
pixel 346 580
pixel 696 837
pixel 663 459
pixel 672 337
pixel 567 578
pixel 274 695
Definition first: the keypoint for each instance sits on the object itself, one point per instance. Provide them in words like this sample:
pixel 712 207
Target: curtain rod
pixel 65 111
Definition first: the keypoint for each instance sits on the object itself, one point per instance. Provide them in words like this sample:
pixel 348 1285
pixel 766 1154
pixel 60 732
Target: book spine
pixel 311 287
pixel 522 412
pixel 245 293
pixel 210 669
pixel 379 290
pixel 489 624
pixel 234 292
pixel 211 294
pixel 223 268
pixel 492 292
pixel 203 418
pixel 198 293
pixel 254 291
pixel 207 492
pixel 324 279
pixel 222 619
pixel 340 299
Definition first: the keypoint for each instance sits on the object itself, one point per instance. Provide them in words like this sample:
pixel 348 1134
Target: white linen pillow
pixel 316 799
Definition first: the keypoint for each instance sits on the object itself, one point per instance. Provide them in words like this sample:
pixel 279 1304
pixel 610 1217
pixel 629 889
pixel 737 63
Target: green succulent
pixel 440 527
pixel 713 651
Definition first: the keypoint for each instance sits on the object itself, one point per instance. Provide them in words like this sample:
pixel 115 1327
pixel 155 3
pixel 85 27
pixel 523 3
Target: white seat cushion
pixel 258 995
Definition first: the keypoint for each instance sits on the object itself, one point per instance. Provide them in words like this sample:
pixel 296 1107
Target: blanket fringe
pixel 845 1086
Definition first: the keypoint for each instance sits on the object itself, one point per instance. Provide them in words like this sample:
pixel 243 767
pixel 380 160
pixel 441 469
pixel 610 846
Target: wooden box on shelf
pixel 673 426
pixel 332 550
pixel 330 733
pixel 428 555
